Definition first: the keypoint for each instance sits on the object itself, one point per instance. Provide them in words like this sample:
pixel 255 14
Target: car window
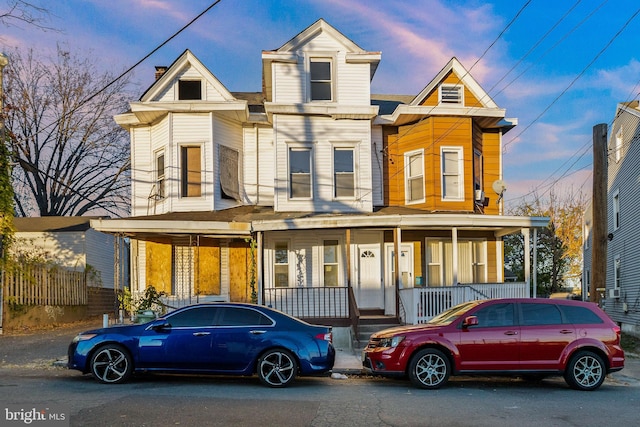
pixel 540 314
pixel 237 316
pixel 193 317
pixel 495 315
pixel 579 315
pixel 448 316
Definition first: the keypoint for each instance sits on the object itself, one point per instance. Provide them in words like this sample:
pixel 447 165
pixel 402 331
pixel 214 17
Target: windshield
pixel 448 316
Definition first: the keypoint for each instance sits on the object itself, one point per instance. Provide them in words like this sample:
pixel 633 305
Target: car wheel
pixel 111 364
pixel 429 368
pixel 277 368
pixel 586 371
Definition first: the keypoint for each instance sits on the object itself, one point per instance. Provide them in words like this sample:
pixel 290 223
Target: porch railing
pixel 312 302
pixel 421 304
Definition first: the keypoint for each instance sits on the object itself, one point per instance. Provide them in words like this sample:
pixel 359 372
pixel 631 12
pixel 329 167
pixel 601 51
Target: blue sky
pixel 559 67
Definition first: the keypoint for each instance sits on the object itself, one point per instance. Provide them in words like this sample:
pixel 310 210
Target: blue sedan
pixel 215 338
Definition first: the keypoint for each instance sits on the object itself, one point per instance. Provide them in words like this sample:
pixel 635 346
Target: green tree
pixel 559 246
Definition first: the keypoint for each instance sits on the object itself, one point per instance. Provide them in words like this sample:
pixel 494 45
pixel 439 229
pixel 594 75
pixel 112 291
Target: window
pixel 451 94
pixel 191 170
pixel 616 210
pixel 343 172
pixel 159 190
pixel 540 314
pixel 618 147
pixel 193 317
pixel 472 262
pixel 495 315
pixel 300 172
pixel 617 272
pixel 452 178
pixel 281 265
pixel 320 79
pixel 229 179
pixel 331 263
pixel 414 177
pixel 189 90
pixel 579 315
pixel 235 316
pixel 478 172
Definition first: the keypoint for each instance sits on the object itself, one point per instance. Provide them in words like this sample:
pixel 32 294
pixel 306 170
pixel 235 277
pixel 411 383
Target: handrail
pixel 354 313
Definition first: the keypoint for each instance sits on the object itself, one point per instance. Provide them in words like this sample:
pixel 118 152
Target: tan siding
pixel 492 171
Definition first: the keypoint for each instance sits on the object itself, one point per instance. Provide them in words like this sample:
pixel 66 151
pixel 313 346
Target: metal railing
pixel 311 302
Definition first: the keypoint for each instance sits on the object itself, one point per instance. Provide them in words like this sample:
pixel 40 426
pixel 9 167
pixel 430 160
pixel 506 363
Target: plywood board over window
pixel 239 272
pixel 158 268
pixel 208 270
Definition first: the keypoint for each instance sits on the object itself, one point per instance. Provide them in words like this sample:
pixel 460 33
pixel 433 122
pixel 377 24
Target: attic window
pixel 451 94
pixel 189 90
pixel 320 71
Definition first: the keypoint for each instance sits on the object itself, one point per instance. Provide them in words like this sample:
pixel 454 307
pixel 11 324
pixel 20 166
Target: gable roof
pixel 183 61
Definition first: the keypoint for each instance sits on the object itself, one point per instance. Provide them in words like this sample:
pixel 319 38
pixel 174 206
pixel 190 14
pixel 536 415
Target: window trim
pixel 191 80
pixel 617 149
pixel 184 179
pixel 459 174
pixel 332 85
pixel 299 147
pixel 286 242
pixel 617 272
pixel 615 201
pixel 337 263
pixel 160 179
pixel 408 178
pixel 344 147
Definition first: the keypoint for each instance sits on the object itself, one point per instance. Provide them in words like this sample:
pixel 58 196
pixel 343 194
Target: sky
pixel 560 68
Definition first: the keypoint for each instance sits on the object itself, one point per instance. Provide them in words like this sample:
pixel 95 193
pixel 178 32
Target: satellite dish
pixel 499 186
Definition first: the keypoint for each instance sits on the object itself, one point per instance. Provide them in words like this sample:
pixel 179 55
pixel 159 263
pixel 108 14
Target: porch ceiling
pixel 241 221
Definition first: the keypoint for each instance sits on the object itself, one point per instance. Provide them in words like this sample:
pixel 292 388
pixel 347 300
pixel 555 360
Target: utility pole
pixel 600 223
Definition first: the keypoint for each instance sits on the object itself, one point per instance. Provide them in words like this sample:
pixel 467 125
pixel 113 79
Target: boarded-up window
pixel 191 171
pixel 229 180
pixel 208 268
pixel 159 266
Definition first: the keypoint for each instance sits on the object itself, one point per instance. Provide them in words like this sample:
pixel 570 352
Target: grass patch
pixel 630 343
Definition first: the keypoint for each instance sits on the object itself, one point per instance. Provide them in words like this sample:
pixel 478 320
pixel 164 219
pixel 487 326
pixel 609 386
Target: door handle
pixel 566 331
pixel 256 332
pixel 201 334
pixel 511 333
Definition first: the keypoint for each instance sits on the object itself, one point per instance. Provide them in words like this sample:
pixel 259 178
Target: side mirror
pixel 161 325
pixel 470 321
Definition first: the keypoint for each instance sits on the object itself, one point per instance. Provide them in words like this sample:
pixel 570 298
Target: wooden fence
pixel 42 285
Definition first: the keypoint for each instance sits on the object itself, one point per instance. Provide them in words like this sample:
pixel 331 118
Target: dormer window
pixel 320 79
pixel 451 94
pixel 189 90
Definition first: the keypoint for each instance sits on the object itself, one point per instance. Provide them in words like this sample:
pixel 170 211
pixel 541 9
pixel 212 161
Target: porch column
pixel 527 261
pixel 454 254
pixel 348 255
pixel 535 262
pixel 397 239
pixel 259 267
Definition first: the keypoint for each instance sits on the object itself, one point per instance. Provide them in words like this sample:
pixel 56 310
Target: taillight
pixel 618 332
pixel 328 336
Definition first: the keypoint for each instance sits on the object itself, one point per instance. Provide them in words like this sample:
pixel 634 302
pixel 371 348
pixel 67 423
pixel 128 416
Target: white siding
pixel 258 165
pixel 100 256
pixel 321 133
pixel 141 171
pixel 209 91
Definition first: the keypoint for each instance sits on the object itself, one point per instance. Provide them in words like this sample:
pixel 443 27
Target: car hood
pixel 116 329
pixel 398 330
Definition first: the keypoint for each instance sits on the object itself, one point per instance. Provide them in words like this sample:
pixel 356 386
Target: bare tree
pixel 15 12
pixel 71 158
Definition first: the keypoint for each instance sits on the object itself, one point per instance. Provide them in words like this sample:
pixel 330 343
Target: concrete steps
pixel 371 321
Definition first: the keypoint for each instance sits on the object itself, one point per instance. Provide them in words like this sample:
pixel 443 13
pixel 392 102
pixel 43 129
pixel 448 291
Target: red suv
pixel 534 337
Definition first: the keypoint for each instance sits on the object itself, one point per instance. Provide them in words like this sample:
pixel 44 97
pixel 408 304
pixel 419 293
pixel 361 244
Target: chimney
pixel 160 70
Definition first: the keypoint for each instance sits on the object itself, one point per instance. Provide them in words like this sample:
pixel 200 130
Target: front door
pixel 369 289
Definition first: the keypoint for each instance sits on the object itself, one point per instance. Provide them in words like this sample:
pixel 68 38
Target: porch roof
pixel 239 222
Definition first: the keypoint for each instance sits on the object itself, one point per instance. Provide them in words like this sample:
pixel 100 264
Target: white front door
pixel 369 289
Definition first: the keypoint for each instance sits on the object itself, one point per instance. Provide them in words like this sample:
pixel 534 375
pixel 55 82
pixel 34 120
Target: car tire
pixel 429 368
pixel 277 368
pixel 586 371
pixel 111 364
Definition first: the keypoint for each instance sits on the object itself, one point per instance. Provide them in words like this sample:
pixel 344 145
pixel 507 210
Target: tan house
pixel 300 196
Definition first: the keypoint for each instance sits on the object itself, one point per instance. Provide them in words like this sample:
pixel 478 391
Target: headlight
pixel 83 337
pixel 391 341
